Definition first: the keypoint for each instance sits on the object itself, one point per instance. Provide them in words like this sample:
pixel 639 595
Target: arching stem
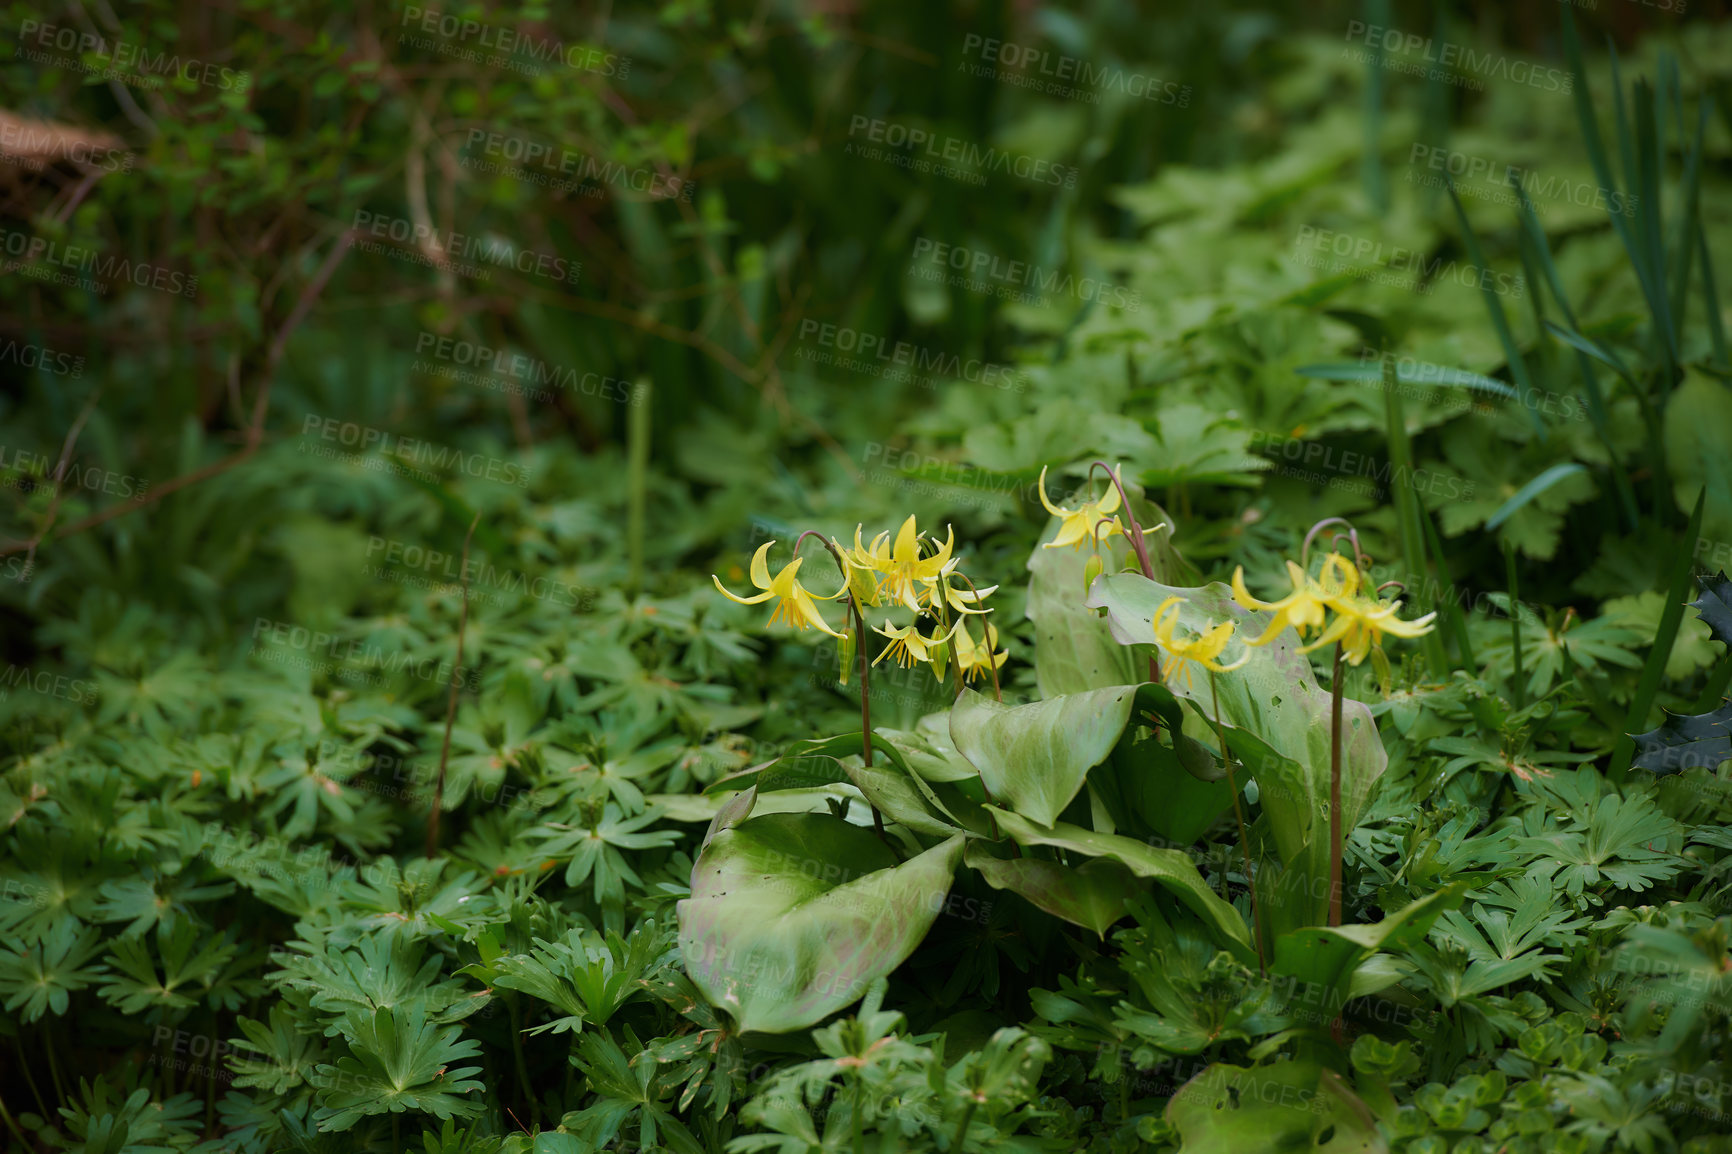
pixel 1138 544
pixel 1136 533
pixel 1335 794
pixel 1239 816
pixel 865 667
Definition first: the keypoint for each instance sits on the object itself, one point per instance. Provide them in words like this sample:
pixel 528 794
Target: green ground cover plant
pixel 715 578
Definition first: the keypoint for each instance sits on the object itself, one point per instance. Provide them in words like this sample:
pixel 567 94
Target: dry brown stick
pixel 451 701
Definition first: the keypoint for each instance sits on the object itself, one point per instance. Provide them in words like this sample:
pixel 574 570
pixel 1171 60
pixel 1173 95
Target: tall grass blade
pixel 1533 489
pixel 1407 503
pixel 1595 399
pixel 1517 366
pixel 1677 591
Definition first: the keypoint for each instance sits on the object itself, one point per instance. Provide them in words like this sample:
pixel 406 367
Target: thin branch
pixel 451 701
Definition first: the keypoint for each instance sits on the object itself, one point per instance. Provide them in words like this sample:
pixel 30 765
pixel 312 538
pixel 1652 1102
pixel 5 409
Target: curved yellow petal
pixel 1070 532
pixel 765 596
pixel 1242 596
pixel 1050 507
pixel 1110 502
pixel 761 565
pixel 907 546
pixel 810 612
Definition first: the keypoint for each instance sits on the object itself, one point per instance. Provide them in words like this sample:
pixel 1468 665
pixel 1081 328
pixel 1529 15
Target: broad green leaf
pixel 1699 450
pixel 1288 1106
pixel 1173 870
pixel 1035 757
pixel 1327 957
pixel 1073 651
pixel 1092 896
pixel 1278 723
pixel 792 915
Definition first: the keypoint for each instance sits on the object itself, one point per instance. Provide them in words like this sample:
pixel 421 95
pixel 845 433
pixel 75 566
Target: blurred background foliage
pixel 208 411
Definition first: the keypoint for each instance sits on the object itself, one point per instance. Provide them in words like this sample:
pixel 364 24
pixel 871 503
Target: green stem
pixel 857 1120
pixel 865 666
pixel 1335 793
pixel 25 1065
pixel 961 1135
pixel 23 1143
pixel 638 436
pixel 1520 688
pixel 517 1055
pixel 451 700
pixel 54 1071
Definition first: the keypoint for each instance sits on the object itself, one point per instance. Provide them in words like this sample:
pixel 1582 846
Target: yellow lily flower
pixel 962 600
pixel 794 604
pixel 973 658
pixel 900 567
pixel 1360 624
pixel 1203 649
pixel 908 646
pixel 1080 524
pixel 1303 608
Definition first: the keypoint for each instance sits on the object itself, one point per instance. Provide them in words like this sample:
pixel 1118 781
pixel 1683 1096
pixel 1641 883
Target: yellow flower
pixel 974 659
pixel 1360 624
pixel 794 604
pixel 1203 649
pixel 901 568
pixel 908 646
pixel 962 600
pixel 1080 524
pixel 1303 608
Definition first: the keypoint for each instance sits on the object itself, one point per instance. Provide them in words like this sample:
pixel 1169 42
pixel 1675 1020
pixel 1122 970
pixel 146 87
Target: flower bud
pixel 1380 662
pixel 1091 570
pixel 940 658
pixel 846 646
pixel 862 585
